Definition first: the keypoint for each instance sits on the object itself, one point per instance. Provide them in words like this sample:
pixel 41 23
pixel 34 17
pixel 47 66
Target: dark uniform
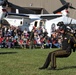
pixel 65 51
pixel 32 39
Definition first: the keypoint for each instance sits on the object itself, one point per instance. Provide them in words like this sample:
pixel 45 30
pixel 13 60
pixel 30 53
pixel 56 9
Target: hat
pixel 60 24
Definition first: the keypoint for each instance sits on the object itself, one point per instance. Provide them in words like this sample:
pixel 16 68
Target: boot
pixel 42 68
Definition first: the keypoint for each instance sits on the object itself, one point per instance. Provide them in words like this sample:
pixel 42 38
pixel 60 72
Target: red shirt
pixel 1 39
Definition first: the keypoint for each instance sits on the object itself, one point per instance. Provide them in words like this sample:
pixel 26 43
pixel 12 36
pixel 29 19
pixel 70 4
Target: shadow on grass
pixel 7 53
pixel 68 67
pixel 64 68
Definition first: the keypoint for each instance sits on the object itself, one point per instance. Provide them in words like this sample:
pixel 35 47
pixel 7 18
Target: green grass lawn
pixel 27 62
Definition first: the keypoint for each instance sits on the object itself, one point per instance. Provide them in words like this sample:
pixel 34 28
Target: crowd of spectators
pixel 13 37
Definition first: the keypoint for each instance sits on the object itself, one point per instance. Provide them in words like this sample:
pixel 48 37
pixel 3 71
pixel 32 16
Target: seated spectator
pixel 55 40
pixel 42 42
pixel 55 43
pixel 9 41
pixel 1 39
pixel 15 43
pixel 27 43
pixel 49 43
pixel 20 42
pixel 37 39
pixel 4 42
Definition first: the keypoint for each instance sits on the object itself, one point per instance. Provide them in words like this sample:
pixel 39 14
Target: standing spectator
pixel 32 39
pixel 45 33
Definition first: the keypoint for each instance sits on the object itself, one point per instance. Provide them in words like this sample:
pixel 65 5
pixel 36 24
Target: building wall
pixel 48 5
